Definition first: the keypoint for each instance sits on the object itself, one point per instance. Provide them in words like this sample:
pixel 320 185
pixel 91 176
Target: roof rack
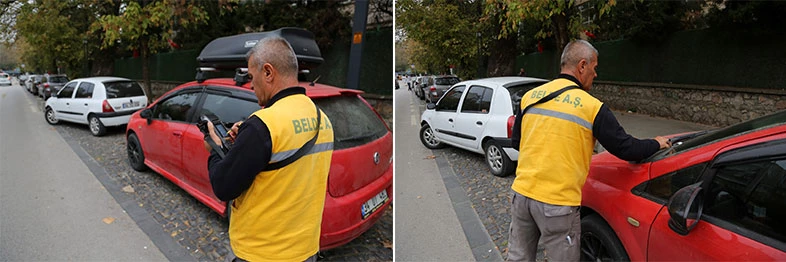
pixel 230 53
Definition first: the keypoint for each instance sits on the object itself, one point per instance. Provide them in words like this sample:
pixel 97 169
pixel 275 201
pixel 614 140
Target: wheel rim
pixel 94 125
pixel 428 136
pixel 592 248
pixel 50 116
pixel 494 157
pixel 133 153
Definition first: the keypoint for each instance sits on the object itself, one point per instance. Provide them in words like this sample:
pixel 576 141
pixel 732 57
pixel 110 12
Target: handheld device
pixel 220 130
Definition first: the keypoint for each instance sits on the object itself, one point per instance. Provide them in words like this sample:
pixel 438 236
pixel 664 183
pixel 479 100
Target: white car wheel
pixel 50 117
pixel 96 127
pixel 497 160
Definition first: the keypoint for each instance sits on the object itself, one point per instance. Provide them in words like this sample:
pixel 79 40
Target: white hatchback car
pixel 478 115
pixel 96 101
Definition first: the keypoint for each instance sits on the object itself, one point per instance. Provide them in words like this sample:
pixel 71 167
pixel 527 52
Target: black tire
pixel 49 115
pixel 499 163
pixel 136 156
pixel 599 242
pixel 96 127
pixel 428 139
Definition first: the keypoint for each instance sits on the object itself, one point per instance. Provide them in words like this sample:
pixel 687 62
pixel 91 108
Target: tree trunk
pixel 559 23
pixel 146 70
pixel 502 57
pixel 502 60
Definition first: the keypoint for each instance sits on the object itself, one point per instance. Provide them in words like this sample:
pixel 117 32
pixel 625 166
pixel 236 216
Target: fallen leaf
pixel 387 244
pixel 174 234
pixel 187 224
pixel 419 197
pixel 108 220
pixel 128 189
pixel 430 157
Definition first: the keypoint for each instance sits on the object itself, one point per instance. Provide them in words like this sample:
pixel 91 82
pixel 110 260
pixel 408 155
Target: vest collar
pixel 571 78
pixel 285 93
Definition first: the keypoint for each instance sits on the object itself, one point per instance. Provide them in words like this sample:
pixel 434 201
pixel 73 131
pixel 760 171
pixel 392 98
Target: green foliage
pixel 646 21
pixel 440 33
pixel 761 17
pixel 149 26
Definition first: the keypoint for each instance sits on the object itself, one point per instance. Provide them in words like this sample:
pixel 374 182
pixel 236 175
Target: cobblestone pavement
pixel 195 227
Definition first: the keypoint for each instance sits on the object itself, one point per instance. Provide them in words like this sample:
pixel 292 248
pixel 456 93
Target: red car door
pixel 162 139
pixel 742 210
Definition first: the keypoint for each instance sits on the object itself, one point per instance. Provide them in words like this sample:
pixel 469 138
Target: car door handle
pixel 85 104
pixel 479 123
pixel 178 133
pixel 450 120
pixel 68 104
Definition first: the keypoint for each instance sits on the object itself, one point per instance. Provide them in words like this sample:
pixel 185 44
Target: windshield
pixel 517 91
pixel 690 141
pixel 354 123
pixel 120 89
pixel 58 79
pixel 447 81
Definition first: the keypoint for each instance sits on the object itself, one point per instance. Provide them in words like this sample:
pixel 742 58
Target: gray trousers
pixel 557 227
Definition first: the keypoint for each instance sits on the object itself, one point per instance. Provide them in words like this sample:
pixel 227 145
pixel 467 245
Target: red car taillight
pixel 46 85
pixel 511 121
pixel 106 108
pixel 433 89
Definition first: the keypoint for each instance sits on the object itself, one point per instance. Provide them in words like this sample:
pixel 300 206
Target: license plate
pixel 373 204
pixel 129 105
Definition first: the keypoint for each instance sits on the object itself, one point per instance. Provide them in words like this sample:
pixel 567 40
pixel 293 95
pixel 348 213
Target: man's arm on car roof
pixel 614 139
pixel 250 154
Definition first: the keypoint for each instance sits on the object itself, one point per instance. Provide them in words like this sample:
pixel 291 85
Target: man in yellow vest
pixel 557 136
pixel 277 213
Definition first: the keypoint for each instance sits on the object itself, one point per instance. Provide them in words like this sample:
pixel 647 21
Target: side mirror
pixel 147 114
pixel 431 106
pixel 685 208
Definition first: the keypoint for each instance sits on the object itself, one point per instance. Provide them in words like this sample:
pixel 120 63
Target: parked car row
pixel 43 86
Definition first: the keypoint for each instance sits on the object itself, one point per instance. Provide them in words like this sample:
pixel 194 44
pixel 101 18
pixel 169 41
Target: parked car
pixel 437 86
pixel 50 84
pixel 416 86
pixel 5 79
pixel 99 102
pixel 715 195
pixel 477 115
pixel 31 84
pixel 164 137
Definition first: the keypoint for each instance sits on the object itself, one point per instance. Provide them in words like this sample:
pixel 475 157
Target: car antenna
pixel 315 80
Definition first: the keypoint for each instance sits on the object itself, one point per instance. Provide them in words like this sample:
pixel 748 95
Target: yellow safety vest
pixel 279 217
pixel 556 144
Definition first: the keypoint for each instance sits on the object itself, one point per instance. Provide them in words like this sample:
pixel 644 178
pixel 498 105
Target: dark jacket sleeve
pixel 614 139
pixel 250 154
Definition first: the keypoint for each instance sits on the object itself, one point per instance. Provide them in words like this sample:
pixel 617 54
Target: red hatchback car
pixel 164 137
pixel 715 195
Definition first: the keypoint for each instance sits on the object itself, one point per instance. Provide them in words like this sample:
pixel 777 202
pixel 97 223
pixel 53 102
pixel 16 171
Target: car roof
pixel 316 91
pixel 102 79
pixel 505 81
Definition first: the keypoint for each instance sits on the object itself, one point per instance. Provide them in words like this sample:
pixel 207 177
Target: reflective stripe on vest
pixel 316 149
pixel 560 115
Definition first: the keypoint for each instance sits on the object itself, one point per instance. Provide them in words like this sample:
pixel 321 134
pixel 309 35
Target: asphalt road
pixel 53 208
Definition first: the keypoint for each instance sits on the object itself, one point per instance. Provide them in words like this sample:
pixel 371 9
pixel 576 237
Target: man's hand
pixel 664 142
pixel 234 129
pixel 212 130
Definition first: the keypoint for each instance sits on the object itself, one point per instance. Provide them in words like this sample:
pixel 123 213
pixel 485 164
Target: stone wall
pixel 711 105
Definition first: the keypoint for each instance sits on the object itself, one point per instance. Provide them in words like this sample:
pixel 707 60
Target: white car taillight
pixel 106 107
pixel 511 122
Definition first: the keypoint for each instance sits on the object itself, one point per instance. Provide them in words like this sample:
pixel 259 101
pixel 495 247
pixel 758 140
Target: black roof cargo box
pixel 230 52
